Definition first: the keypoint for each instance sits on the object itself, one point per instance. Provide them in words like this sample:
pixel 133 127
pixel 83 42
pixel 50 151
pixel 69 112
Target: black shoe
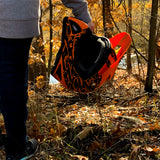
pixel 31 149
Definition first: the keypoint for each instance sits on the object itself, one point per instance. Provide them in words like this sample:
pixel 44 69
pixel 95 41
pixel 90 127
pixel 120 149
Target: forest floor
pixel 119 121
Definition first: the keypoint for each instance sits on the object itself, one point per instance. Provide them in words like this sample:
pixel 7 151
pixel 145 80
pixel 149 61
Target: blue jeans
pixel 14 55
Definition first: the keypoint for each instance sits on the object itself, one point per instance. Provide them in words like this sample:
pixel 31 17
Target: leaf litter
pixel 118 121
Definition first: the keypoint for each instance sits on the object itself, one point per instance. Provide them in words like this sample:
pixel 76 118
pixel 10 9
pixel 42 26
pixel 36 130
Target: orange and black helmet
pixel 86 61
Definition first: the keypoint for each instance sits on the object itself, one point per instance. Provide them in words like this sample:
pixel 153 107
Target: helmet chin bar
pixel 85 61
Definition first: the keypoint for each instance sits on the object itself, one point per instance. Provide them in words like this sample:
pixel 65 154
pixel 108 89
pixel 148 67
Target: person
pixel 19 23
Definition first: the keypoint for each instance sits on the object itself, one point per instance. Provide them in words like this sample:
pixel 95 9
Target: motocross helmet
pixel 84 61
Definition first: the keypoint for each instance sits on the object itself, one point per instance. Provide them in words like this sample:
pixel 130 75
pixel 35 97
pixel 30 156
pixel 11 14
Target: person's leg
pixel 13 91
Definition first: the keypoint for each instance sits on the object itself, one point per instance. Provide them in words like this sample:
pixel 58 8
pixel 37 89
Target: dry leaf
pixel 79 157
pixel 95 145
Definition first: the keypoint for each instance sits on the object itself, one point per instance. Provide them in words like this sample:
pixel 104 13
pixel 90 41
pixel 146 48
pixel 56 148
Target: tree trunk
pixel 129 66
pixel 51 36
pixel 107 21
pixel 158 44
pixel 152 47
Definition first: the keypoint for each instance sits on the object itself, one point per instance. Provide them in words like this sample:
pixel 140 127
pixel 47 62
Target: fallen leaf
pixel 95 145
pixel 79 157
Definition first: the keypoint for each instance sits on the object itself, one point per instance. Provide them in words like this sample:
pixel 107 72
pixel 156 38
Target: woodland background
pixel 119 121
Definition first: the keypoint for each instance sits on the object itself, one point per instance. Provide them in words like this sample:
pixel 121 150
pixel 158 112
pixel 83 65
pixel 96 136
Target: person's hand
pixel 91 26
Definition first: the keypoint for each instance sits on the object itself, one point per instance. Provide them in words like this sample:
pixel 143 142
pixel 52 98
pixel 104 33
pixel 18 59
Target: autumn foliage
pixel 119 121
